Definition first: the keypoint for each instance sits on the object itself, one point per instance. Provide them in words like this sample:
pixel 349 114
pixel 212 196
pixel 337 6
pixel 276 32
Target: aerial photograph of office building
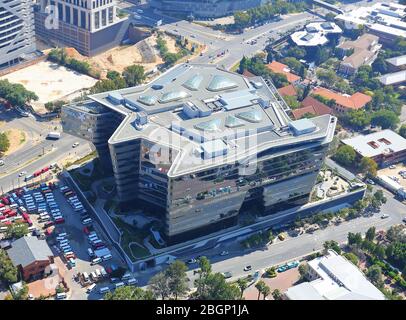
pixel 199 143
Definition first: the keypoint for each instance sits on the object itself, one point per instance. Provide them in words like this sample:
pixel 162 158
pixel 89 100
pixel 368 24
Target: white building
pixel 315 34
pixel 382 19
pixel 333 277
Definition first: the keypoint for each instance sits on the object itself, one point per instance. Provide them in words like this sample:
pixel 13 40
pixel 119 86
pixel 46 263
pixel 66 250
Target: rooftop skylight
pixel 250 116
pixel 173 96
pixel 233 122
pixel 212 125
pixel 147 100
pixel 219 83
pixel 194 82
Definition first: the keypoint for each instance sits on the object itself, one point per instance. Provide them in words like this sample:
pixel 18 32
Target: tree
pixel 380 252
pixel 113 75
pixel 277 294
pixel 357 119
pixel 22 294
pixel 134 75
pixel 243 65
pixel 266 291
pixel 159 286
pixel 177 278
pixel 16 94
pixel 368 166
pixel 260 286
pixel 380 197
pixel 386 119
pixel 17 230
pixel 4 142
pixel 354 238
pixel 370 234
pixel 303 270
pixel 345 155
pixel 374 273
pixel 242 284
pixel 351 257
pixel 129 293
pixel 8 272
pixel 204 272
pixel 402 130
pixel 332 245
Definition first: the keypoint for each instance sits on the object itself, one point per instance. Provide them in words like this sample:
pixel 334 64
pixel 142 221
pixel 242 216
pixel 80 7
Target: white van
pixel 107 257
pixel 119 284
pixel 90 288
pixel 96 261
pixel 90 252
pixel 87 221
pixel 86 277
pixel 104 290
pixel 60 296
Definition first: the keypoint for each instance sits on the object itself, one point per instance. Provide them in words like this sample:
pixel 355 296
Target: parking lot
pixel 54 212
pixel 397 171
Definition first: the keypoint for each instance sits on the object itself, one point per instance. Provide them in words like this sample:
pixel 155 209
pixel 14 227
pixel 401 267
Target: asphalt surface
pixel 37 152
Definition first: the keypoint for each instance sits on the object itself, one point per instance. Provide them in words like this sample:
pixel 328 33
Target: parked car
pixel 248 268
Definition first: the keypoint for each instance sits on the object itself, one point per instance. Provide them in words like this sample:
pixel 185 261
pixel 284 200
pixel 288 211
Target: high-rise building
pixel 17 38
pixel 200 144
pixel 90 26
pixel 204 8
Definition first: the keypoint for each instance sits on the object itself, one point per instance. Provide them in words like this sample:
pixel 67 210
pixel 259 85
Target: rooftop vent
pixel 115 97
pixel 302 126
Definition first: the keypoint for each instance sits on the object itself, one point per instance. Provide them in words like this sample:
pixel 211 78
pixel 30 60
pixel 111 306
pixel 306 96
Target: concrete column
pixel 71 14
pixel 63 12
pixel 79 18
pixel 92 24
pixel 87 21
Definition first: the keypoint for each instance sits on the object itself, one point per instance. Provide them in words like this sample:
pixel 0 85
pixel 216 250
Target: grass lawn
pixel 132 234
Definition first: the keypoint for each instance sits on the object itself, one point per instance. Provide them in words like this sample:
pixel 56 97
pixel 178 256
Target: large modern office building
pixel 17 38
pixel 200 144
pixel 90 26
pixel 204 8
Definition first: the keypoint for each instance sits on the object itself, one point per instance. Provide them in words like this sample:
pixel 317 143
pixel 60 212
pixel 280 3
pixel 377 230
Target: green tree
pixel 17 230
pixel 4 142
pixel 357 119
pixel 368 166
pixel 159 285
pixel 354 238
pixel 16 94
pixel 242 284
pixel 134 75
pixel 177 279
pixel 113 75
pixel 332 245
pixel 22 294
pixel 370 234
pixel 303 270
pixel 129 293
pixel 277 294
pixel 266 291
pixel 351 257
pixel 402 130
pixel 345 155
pixel 374 273
pixel 386 119
pixel 8 272
pixel 204 271
pixel 260 286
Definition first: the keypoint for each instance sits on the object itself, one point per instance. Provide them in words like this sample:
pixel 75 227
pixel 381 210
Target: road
pixel 282 251
pixel 37 152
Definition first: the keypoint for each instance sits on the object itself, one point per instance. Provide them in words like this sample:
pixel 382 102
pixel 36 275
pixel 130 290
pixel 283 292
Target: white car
pixel 384 216
pixel 224 253
pixel 75 144
pixel 22 173
pixel 1 162
pixel 392 166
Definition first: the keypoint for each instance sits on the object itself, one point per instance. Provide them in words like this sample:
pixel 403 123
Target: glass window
pixel 212 125
pixel 250 116
pixel 147 100
pixel 173 96
pixel 194 82
pixel 219 83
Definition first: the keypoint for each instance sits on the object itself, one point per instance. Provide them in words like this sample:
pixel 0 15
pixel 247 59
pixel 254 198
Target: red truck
pixel 37 173
pixel 44 169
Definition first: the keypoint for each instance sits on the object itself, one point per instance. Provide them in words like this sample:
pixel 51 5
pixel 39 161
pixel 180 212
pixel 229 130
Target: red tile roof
pixel 288 90
pixel 356 101
pixel 278 67
pixel 311 105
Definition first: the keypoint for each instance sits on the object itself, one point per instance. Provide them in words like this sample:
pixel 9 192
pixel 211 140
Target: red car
pixel 7 223
pixel 37 173
pixel 7 211
pixel 29 222
pixel 2 217
pixel 25 216
pixel 86 230
pixel 5 200
pixel 59 221
pixel 2 205
pixel 44 169
pixel 12 214
pixel 99 245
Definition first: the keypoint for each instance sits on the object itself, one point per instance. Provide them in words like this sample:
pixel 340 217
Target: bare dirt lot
pixel 117 59
pixel 16 137
pixel 51 82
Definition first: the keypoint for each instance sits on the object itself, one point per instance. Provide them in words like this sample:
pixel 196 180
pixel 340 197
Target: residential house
pixel 288 90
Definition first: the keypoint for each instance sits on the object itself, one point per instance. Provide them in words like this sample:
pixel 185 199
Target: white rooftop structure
pixel 374 144
pixel 381 17
pixel 393 78
pixel 315 34
pixel 336 278
pixel 397 61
